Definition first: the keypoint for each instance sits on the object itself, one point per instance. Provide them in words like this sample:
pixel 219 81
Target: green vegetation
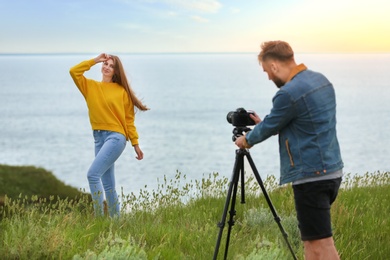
pixel 179 221
pixel 29 181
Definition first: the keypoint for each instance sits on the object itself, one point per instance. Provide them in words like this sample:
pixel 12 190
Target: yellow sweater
pixel 108 103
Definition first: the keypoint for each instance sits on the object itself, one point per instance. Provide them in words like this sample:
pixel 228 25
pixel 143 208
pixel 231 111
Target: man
pixel 304 117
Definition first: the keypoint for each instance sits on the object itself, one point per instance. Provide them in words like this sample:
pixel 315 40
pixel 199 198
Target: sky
pixel 166 26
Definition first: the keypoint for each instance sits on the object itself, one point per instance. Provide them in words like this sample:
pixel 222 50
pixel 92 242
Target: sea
pixel 44 119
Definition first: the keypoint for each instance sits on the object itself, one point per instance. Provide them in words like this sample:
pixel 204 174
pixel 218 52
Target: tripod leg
pixel 229 201
pixel 239 171
pixel 242 153
pixel 276 217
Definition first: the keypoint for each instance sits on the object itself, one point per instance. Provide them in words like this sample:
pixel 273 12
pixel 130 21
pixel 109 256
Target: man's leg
pixel 313 201
pixel 320 249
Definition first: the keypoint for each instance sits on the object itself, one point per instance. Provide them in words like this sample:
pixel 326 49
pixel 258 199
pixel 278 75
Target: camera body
pixel 240 118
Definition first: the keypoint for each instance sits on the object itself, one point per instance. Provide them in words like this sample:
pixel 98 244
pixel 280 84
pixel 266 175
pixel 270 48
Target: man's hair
pixel 278 50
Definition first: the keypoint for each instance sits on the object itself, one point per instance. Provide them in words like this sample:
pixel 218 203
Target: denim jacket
pixel 304 116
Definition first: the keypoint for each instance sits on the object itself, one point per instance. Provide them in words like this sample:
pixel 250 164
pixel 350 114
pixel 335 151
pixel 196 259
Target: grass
pixel 32 181
pixel 179 220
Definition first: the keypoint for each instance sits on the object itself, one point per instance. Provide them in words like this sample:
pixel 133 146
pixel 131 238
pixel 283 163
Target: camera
pixel 240 118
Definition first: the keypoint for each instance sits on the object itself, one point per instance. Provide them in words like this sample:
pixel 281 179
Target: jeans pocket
pixel 118 138
pixel 96 136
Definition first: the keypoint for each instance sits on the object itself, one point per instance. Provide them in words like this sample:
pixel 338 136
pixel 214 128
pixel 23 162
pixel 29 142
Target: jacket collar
pixel 296 70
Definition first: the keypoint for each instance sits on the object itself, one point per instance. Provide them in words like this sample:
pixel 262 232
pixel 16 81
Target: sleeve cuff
pixel 246 145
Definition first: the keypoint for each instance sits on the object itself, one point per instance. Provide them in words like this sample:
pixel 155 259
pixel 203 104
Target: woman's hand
pixel 102 57
pixel 138 151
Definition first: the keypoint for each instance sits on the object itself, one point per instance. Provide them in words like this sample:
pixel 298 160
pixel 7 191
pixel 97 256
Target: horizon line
pixel 168 53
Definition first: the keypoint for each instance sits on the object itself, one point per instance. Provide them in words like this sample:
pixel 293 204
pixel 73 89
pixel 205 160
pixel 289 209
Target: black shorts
pixel 312 203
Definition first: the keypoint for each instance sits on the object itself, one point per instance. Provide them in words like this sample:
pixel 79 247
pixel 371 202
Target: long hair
pixel 120 78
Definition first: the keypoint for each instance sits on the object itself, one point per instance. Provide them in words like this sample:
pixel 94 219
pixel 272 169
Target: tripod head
pixel 239 131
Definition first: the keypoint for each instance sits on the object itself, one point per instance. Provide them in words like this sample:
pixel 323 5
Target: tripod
pixel 231 196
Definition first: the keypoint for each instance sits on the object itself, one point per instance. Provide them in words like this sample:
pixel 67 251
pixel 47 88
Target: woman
pixel 111 105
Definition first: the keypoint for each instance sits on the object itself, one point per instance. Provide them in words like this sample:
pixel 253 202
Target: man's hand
pixel 255 118
pixel 241 143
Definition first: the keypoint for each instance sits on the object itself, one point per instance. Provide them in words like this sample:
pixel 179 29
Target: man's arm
pixel 282 112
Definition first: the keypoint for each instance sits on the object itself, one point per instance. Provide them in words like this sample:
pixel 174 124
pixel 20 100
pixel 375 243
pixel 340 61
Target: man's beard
pixel 278 82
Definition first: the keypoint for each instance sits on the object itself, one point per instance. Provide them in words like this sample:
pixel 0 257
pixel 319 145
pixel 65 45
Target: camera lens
pixel 229 117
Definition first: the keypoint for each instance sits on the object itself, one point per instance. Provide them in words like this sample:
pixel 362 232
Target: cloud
pixel 130 26
pixel 205 6
pixel 172 14
pixel 135 27
pixel 199 19
pixel 234 10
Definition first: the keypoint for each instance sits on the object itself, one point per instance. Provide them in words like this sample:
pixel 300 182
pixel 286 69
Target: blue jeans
pixel 108 147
